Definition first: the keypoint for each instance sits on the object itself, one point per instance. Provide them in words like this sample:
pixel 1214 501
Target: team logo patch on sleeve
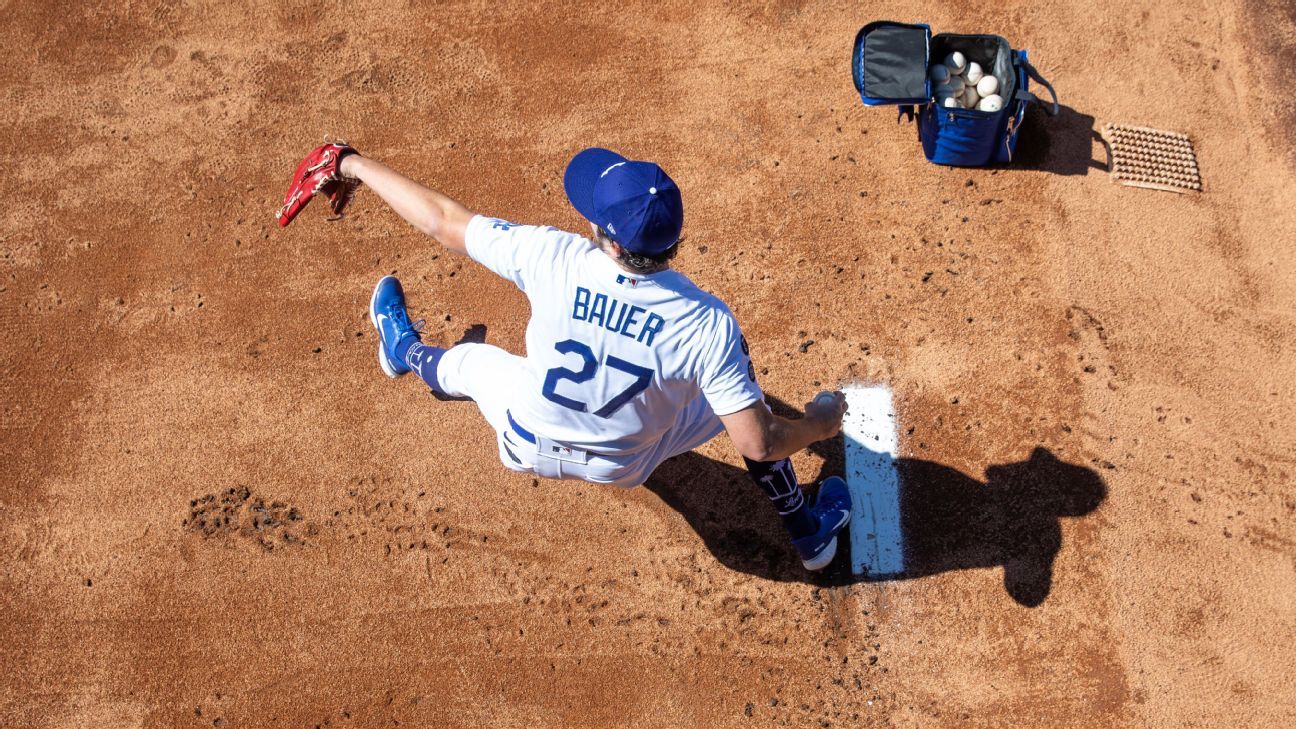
pixel 503 225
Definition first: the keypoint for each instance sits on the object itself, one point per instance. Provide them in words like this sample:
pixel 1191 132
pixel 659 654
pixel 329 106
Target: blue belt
pixel 523 433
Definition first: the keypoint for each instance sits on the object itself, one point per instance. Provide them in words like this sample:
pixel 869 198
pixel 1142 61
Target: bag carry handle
pixel 1037 78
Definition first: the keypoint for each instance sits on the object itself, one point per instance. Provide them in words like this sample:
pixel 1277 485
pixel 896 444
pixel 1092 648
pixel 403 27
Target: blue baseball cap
pixel 635 202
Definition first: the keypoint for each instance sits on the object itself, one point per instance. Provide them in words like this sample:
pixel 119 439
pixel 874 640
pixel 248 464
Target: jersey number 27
pixel 642 378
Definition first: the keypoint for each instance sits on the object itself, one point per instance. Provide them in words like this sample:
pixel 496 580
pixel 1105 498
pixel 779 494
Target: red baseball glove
pixel 320 173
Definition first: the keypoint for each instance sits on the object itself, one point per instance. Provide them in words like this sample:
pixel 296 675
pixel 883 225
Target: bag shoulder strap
pixel 1037 78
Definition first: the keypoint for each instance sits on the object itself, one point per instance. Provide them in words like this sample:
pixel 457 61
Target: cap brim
pixel 582 172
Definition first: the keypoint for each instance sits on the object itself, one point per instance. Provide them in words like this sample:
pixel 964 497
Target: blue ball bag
pixel 889 65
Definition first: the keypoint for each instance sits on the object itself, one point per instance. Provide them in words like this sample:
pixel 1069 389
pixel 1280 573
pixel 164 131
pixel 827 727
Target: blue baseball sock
pixel 779 482
pixel 423 359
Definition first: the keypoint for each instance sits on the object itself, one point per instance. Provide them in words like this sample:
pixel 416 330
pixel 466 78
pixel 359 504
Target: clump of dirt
pixel 236 512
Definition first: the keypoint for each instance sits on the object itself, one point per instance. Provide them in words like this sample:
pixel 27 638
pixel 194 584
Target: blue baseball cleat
pixel 387 312
pixel 833 510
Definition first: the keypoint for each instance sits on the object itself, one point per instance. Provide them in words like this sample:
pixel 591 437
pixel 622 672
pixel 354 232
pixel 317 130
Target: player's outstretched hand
pixel 319 173
pixel 828 408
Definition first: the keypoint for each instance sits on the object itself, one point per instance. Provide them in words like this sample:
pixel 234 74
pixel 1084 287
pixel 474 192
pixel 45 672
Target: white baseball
pixel 950 102
pixel 987 86
pixel 940 73
pixel 993 102
pixel 970 98
pixel 956 62
pixel 973 73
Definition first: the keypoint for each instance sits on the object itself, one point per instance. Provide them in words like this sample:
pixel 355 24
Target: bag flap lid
pixel 889 63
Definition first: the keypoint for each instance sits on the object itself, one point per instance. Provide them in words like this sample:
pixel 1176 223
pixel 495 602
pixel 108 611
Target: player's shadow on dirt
pixel 949 520
pixel 1062 145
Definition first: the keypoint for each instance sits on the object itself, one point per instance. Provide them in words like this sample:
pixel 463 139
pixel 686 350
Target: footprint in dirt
pixel 1094 357
pixel 399 517
pixel 238 513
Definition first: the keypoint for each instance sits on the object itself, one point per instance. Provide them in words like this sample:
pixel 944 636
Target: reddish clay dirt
pixel 218 512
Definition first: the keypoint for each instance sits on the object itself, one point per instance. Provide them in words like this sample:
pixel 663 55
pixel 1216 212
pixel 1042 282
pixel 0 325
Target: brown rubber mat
pixel 1151 158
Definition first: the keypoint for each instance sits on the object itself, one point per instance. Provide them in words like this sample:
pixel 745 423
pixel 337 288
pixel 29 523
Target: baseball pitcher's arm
pixel 422 207
pixel 763 436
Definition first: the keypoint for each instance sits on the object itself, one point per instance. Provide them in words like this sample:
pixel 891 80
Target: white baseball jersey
pixel 612 358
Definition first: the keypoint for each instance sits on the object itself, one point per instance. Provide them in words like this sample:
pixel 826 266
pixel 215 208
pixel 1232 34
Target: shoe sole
pixel 373 319
pixel 825 557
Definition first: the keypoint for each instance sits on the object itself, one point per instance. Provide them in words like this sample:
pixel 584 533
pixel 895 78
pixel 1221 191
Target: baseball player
pixel 627 362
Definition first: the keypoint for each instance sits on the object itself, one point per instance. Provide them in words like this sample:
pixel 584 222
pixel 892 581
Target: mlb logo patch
pixel 551 449
pixel 627 281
